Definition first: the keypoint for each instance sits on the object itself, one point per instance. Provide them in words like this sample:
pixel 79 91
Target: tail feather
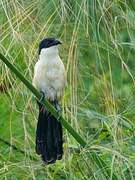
pixel 49 143
pixel 58 139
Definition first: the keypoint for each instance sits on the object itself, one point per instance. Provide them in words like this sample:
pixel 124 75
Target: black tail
pixel 49 143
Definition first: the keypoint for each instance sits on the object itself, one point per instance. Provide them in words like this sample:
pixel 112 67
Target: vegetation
pixel 98 52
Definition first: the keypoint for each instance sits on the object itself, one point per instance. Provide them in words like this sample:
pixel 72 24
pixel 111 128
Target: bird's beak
pixel 56 42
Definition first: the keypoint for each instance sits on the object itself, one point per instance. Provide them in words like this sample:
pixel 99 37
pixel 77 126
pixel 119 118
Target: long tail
pixel 49 143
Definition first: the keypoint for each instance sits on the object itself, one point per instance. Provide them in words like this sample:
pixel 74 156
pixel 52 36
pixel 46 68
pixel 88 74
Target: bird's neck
pixel 49 53
pixel 48 58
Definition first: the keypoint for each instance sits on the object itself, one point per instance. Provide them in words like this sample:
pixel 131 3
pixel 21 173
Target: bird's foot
pixel 42 97
pixel 58 109
pixel 41 100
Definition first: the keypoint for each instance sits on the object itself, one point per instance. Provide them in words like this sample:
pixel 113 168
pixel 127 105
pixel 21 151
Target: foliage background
pixel 98 52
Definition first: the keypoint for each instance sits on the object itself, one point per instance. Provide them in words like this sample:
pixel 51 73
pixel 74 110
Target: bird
pixel 50 79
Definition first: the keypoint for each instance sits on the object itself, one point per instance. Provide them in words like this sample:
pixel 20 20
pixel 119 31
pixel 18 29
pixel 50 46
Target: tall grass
pixel 98 53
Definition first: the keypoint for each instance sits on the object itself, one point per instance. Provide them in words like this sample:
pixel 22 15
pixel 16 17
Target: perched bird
pixel 50 80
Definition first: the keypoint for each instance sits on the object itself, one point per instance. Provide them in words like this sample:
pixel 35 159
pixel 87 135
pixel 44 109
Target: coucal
pixel 50 80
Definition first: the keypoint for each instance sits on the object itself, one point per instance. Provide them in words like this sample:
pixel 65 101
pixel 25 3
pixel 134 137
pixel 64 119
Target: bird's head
pixel 49 46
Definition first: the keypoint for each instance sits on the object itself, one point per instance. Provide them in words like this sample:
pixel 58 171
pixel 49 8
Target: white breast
pixel 50 76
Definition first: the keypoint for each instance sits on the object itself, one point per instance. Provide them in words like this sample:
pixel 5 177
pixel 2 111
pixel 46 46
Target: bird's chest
pixel 49 71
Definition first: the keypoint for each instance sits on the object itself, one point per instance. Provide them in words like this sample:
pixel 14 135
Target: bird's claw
pixel 41 100
pixel 58 109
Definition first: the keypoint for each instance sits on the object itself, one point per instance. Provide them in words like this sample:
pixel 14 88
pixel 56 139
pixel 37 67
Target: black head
pixel 48 42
